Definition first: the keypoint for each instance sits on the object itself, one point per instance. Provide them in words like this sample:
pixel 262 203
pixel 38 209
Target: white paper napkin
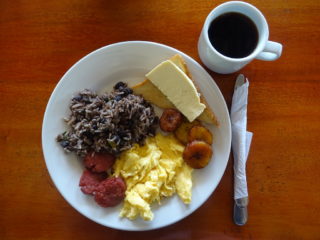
pixel 241 138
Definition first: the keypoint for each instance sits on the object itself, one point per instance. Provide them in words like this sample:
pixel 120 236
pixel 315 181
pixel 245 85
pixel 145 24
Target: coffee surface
pixel 233 35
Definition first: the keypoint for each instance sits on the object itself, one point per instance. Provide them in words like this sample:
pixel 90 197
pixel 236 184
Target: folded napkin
pixel 241 138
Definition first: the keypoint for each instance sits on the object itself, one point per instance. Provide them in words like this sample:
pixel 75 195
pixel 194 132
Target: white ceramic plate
pixel 100 70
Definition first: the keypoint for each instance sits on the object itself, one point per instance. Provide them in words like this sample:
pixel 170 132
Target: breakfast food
pixel 124 159
pixel 99 162
pixel 89 181
pixel 183 130
pixel 152 94
pixel 110 192
pixel 151 172
pixel 200 133
pixel 183 183
pixel 170 120
pixel 178 88
pixel 107 191
pixel 197 154
pixel 100 128
pixel 108 123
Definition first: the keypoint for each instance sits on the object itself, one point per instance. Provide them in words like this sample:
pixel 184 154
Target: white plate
pixel 100 70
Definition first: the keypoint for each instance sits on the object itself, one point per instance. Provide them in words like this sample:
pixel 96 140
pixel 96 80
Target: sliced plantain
pixel 170 120
pixel 181 132
pixel 200 133
pixel 197 154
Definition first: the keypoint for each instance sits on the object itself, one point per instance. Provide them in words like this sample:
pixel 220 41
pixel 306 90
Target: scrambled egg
pixel 151 172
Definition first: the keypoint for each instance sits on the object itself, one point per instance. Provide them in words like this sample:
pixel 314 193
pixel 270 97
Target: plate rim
pixel 53 95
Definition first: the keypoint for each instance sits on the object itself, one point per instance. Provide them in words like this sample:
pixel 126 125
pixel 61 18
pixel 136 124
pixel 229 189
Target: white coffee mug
pixel 217 62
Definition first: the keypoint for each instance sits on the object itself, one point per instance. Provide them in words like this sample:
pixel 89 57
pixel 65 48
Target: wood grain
pixel 40 40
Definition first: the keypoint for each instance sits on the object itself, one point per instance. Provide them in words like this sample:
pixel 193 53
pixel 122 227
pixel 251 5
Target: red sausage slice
pixel 110 192
pixel 89 181
pixel 99 162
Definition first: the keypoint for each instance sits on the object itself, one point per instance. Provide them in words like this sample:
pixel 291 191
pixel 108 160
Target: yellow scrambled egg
pixel 151 172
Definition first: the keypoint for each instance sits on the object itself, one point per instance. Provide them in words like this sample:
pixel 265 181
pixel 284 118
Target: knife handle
pixel 240 211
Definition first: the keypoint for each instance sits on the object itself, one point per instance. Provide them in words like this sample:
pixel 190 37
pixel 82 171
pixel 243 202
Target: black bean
pixel 119 85
pixel 102 120
pixel 64 144
pixel 117 139
pixel 118 98
pixel 77 98
pixel 126 91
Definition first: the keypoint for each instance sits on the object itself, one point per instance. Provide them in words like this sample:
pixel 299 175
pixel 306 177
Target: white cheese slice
pixel 178 88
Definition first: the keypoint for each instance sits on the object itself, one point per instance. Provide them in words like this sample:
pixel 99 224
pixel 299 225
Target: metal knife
pixel 241 140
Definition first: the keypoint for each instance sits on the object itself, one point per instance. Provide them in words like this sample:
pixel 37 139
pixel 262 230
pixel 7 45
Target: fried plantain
pixel 170 120
pixel 200 133
pixel 182 131
pixel 197 154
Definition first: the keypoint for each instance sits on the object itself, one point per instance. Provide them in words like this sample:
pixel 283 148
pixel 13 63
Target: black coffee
pixel 233 35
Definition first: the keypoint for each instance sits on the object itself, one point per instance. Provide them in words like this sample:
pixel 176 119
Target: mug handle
pixel 272 51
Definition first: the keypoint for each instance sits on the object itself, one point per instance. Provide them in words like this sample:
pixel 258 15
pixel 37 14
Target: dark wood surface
pixel 40 40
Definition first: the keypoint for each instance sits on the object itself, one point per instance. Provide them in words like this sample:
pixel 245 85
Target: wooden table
pixel 40 40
